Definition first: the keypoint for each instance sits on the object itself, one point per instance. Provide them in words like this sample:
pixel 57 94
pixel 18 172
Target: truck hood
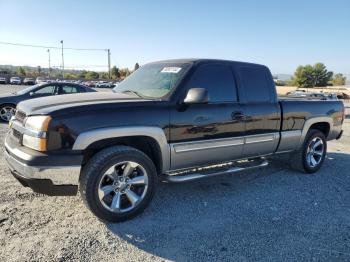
pixel 46 105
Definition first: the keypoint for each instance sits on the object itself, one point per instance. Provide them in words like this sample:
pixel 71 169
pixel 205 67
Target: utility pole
pixel 109 63
pixel 62 61
pixel 48 51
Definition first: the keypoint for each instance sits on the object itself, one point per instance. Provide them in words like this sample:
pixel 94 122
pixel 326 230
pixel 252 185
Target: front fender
pixel 87 138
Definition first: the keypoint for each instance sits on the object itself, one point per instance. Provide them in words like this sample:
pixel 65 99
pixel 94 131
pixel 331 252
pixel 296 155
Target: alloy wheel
pixel 315 151
pixel 7 112
pixel 123 186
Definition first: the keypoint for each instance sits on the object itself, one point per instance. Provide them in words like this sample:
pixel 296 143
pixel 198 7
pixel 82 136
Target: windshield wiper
pixel 132 92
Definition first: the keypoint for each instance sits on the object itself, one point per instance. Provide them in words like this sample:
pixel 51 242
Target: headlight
pixel 38 123
pixel 35 143
pixel 35 136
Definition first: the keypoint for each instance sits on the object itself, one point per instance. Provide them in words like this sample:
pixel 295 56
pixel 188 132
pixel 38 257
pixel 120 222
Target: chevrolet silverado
pixel 172 121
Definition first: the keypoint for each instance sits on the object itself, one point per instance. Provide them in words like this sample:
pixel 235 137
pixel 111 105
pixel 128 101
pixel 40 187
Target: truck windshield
pixel 154 80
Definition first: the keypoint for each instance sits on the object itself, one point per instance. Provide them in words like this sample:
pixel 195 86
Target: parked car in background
pixel 104 84
pixel 40 80
pixel 8 102
pixel 297 93
pixel 15 80
pixel 28 81
pixel 3 80
pixel 89 83
pixel 312 95
pixel 330 96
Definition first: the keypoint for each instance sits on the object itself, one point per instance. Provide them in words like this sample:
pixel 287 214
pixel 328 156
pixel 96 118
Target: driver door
pixel 203 134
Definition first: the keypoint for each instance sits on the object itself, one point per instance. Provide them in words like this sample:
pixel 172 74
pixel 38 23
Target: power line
pixel 63 48
pixel 76 65
pixel 54 47
pixel 79 66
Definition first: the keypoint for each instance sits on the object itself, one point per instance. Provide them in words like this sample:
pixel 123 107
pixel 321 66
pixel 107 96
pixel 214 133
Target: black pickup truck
pixel 173 121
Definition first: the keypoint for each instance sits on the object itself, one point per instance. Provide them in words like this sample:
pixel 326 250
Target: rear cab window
pixel 256 84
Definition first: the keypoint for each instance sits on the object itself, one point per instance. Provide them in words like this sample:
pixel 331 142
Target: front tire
pixel 118 183
pixel 310 157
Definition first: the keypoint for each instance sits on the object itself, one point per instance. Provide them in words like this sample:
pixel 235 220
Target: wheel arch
pixel 9 103
pixel 149 140
pixel 321 123
pixel 324 127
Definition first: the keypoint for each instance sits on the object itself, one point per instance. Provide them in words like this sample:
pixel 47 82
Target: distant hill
pixel 55 73
pixel 283 77
pixel 13 69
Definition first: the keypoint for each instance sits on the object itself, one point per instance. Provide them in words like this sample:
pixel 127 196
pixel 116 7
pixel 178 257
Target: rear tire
pixel 118 183
pixel 310 157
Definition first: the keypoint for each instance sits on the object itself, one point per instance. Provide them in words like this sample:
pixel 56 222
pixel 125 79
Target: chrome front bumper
pixel 18 159
pixel 63 175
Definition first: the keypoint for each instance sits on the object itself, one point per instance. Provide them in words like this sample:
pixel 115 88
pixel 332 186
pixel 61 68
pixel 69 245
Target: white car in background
pixel 104 84
pixel 40 80
pixel 15 80
pixel 3 80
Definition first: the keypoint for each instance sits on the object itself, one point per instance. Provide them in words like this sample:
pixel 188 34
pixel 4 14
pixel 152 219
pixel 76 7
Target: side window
pixel 46 90
pixel 218 80
pixel 67 89
pixel 255 84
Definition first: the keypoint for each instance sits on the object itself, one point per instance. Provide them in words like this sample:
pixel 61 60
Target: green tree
pixel 339 80
pixel 104 75
pixel 124 72
pixel 82 74
pixel 39 70
pixel 115 72
pixel 71 75
pixel 137 66
pixel 321 75
pixel 21 71
pixel 312 76
pixel 91 75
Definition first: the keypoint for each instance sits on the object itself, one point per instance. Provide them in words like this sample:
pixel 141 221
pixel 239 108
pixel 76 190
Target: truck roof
pixel 207 60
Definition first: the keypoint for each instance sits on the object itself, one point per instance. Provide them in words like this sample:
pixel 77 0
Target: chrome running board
pixel 173 178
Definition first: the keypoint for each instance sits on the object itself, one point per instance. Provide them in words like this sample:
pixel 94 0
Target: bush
pixel 338 80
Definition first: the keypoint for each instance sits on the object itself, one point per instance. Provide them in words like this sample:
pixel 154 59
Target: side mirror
pixel 31 94
pixel 196 96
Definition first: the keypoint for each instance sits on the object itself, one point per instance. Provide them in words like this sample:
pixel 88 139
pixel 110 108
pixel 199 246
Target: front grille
pixel 20 116
pixel 16 133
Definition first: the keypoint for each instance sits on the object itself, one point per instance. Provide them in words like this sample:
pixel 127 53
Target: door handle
pixel 237 115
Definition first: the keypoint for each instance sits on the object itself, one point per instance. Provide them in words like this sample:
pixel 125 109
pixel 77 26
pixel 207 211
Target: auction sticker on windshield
pixel 173 70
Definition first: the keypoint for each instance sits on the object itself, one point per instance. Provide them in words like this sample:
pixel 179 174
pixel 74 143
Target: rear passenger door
pixel 201 134
pixel 263 111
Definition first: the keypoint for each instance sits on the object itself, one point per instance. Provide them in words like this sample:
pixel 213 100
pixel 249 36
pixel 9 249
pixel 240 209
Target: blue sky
pixel 280 34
